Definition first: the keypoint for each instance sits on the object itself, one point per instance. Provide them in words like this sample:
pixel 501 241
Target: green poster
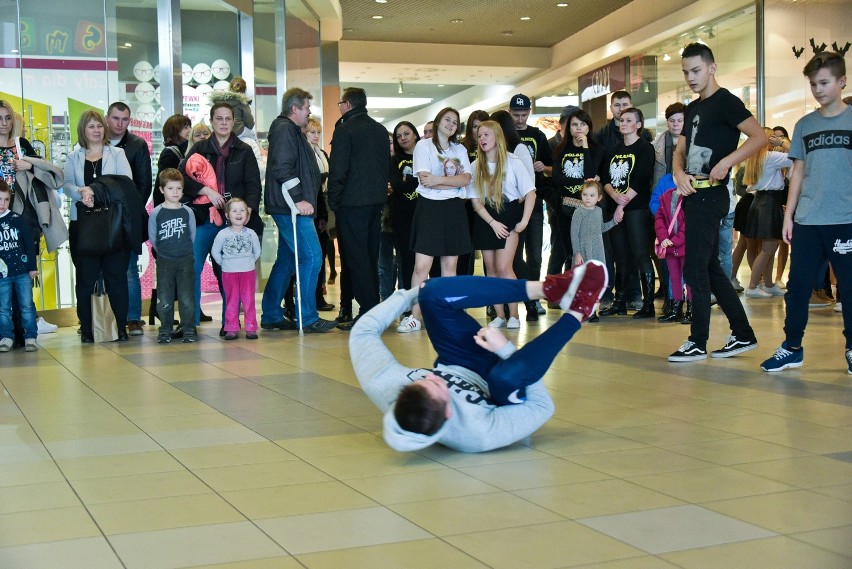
pixel 75 111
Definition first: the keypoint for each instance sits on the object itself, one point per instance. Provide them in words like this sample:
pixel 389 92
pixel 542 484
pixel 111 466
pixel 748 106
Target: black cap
pixel 520 102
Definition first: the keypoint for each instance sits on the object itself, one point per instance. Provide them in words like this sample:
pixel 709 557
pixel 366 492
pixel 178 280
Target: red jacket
pixel 661 225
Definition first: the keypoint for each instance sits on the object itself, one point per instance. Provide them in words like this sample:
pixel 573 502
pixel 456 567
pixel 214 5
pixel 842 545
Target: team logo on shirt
pixel 842 247
pixel 619 171
pixel 827 139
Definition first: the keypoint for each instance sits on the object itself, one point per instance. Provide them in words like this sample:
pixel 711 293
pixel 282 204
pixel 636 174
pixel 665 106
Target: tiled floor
pixel 266 454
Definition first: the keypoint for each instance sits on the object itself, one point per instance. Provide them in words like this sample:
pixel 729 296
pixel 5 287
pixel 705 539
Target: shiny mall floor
pixel 262 454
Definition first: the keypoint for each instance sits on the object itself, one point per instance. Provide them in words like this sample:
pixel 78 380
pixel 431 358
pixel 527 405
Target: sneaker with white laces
pixel 757 292
pixel 513 323
pixel 849 361
pixel 30 345
pixel 688 352
pixel 6 344
pixel 785 358
pixel 734 346
pixel 773 290
pixel 497 323
pixel 45 327
pixel 409 324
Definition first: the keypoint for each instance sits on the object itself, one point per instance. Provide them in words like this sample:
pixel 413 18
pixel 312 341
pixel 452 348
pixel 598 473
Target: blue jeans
pixel 451 331
pixel 726 243
pixel 310 261
pixel 22 287
pixel 134 288
pixel 204 236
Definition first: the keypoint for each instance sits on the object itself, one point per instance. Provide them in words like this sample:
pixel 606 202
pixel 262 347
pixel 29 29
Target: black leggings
pixel 631 244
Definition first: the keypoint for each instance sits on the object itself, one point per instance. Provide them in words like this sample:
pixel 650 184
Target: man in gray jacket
pixel 482 393
pixel 291 160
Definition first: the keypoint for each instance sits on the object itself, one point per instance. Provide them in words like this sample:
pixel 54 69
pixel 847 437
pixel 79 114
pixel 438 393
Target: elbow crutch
pixel 285 189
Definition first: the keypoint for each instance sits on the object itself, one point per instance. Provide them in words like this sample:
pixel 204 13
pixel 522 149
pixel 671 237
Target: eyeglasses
pixel 341 103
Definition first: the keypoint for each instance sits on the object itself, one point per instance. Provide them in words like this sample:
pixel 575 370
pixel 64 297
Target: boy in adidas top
pixel 818 219
pixel 482 393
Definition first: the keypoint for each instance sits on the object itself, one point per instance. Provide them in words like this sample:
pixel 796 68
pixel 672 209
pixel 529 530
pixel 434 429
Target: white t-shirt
pixel 522 152
pixel 516 183
pixel 450 163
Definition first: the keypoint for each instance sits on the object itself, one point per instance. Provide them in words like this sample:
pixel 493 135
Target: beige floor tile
pixel 373 464
pixel 187 546
pixel 21 454
pixel 296 499
pixel 82 553
pixel 599 498
pixel 816 439
pixel 16 432
pixel 419 486
pixel 188 407
pixel 645 562
pixel 183 422
pixel 776 552
pixel 533 474
pixel 617 418
pixel 268 563
pixel 44 496
pixel 38 526
pixel 335 445
pixel 118 465
pixel 542 546
pixel 787 512
pixel 263 475
pixel 193 438
pixel 833 539
pixel 102 446
pixel 175 373
pixel 635 462
pixel 734 451
pixel 802 471
pixel 417 554
pixel 696 410
pixel 54 433
pixel 706 484
pixel 340 530
pixel 571 439
pixel 841 491
pixel 670 434
pixel 457 459
pixel 29 473
pixel 754 424
pixel 139 487
pixel 483 512
pixel 163 513
pixel 231 455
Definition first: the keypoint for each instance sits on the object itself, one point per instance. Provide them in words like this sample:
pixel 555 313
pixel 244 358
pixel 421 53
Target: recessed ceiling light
pixel 382 1
pixel 456 21
pixel 441 85
pixel 562 5
pixel 128 44
pixel 507 32
pixel 378 17
pixel 525 18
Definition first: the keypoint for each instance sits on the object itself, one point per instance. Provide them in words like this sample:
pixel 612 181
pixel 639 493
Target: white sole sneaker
pixel 513 323
pixel 497 323
pixel 409 324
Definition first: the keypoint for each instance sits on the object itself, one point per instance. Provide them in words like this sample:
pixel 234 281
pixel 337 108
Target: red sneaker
pixel 581 288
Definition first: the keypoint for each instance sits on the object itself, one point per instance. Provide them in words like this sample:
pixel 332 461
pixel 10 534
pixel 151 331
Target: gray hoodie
pixel 476 424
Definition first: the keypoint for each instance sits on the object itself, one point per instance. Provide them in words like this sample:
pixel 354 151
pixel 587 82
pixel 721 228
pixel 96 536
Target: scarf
pixel 222 154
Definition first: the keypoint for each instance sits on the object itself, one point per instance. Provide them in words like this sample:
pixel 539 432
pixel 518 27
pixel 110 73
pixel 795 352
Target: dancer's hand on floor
pixel 490 339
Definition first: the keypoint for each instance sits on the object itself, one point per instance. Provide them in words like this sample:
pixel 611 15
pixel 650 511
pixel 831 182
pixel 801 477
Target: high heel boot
pixel 675 313
pixel 687 316
pixel 617 308
pixel 647 310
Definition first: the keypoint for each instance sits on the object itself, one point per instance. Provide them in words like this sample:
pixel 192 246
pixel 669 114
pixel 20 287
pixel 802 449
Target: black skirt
pixel 484 238
pixel 765 216
pixel 440 228
pixel 741 212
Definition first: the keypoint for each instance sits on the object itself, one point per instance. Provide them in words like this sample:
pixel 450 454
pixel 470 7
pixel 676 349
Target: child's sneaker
pixel 409 324
pixel 30 345
pixel 251 335
pixel 164 338
pixel 513 323
pixel 189 339
pixel 785 358
pixel 230 335
pixel 5 344
pixel 497 323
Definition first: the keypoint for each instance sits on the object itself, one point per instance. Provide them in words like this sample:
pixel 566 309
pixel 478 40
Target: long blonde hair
pixel 754 164
pixel 488 185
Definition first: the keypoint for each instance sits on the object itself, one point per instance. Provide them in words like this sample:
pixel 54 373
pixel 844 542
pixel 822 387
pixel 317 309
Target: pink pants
pixel 239 287
pixel 675 265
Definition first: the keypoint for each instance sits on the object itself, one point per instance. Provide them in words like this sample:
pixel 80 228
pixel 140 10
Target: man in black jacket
pixel 359 166
pixel 292 162
pixel 139 156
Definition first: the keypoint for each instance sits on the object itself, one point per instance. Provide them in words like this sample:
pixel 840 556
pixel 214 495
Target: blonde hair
pixel 313 123
pixel 488 185
pixel 754 164
pixel 592 183
pixel 85 119
pixel 194 132
pixel 232 202
pixel 15 127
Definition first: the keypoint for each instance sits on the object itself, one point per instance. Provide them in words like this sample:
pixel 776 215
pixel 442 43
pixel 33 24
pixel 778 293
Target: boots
pixel 675 313
pixel 647 310
pixel 687 317
pixel 618 306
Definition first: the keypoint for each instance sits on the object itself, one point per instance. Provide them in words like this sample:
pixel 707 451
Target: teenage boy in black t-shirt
pixel 706 150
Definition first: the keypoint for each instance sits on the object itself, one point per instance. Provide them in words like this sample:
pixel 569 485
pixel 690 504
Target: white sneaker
pixel 497 323
pixel 757 292
pixel 773 290
pixel 838 307
pixel 45 327
pixel 513 323
pixel 30 345
pixel 409 324
pixel 5 344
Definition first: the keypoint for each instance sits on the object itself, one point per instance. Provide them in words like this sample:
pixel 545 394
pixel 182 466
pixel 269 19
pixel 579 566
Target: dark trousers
pixel 559 250
pixel 175 278
pixel 533 239
pixel 563 217
pixel 813 245
pixel 358 229
pixel 702 271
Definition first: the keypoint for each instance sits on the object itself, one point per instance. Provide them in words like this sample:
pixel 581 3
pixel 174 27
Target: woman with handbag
pixel 92 160
pixel 237 176
pixel 671 246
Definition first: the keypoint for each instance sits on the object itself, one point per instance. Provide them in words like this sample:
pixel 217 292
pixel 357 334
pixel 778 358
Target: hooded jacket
pixel 290 156
pixel 475 425
pixel 359 164
pixel 241 105
pixel 663 219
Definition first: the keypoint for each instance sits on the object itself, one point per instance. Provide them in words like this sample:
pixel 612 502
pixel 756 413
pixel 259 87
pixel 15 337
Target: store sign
pixel 56 41
pixel 89 38
pixel 603 80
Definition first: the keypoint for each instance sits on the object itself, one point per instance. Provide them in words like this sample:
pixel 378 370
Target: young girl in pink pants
pixel 673 237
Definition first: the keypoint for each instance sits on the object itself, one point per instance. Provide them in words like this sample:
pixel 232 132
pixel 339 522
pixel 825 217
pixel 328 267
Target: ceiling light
pixel 525 18
pixel 382 1
pixel 128 44
pixel 378 17
pixel 561 5
pixel 456 21
pixel 441 85
pixel 398 102
pixel 558 101
pixel 667 57
pixel 507 32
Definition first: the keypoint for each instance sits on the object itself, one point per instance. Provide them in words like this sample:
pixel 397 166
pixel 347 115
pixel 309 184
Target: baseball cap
pixel 520 101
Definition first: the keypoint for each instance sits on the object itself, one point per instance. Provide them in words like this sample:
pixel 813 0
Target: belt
pixel 571 202
pixel 699 184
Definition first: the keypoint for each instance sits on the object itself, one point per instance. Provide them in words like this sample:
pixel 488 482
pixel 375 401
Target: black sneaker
pixel 733 347
pixel 283 324
pixel 689 352
pixel 187 339
pixel 164 338
pixel 320 326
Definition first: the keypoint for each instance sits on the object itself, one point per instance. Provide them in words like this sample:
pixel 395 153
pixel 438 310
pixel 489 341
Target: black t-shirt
pixel 710 129
pixel 536 142
pixel 574 166
pixel 631 167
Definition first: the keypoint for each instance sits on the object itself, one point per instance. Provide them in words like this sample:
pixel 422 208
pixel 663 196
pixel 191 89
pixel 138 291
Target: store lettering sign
pixel 56 41
pixel 89 38
pixel 603 80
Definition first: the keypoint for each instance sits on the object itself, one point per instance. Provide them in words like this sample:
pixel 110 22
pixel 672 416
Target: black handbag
pixel 100 229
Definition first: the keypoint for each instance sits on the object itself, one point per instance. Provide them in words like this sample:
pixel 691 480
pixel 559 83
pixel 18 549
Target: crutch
pixel 285 189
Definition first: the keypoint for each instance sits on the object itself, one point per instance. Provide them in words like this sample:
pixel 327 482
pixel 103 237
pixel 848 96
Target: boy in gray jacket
pixel 482 393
